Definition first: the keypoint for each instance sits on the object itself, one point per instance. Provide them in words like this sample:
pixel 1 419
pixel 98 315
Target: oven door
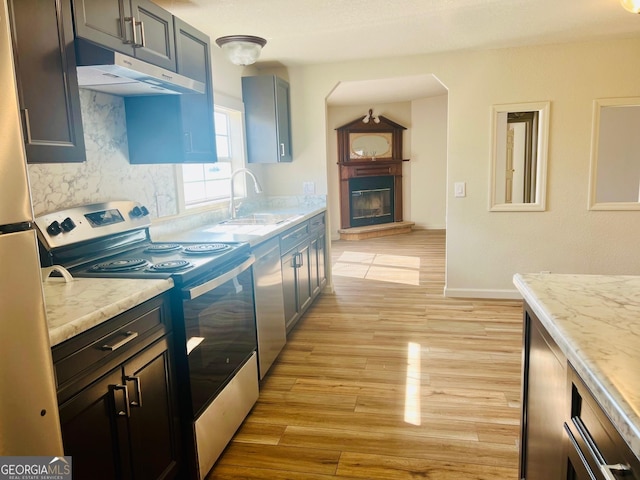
pixel 220 325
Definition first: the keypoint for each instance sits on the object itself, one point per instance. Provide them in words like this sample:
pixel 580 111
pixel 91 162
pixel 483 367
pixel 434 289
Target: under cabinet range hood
pixel 118 74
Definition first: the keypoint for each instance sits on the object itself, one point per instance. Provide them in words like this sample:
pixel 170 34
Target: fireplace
pixel 371 200
pixel 370 164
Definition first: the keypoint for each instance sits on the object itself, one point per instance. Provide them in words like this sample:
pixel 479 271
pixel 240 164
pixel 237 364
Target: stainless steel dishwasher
pixel 269 303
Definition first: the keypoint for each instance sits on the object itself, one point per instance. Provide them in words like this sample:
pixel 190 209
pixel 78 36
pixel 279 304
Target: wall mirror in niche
pixel 520 135
pixel 614 181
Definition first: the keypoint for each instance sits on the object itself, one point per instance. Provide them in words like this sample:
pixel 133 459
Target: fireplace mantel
pixel 357 164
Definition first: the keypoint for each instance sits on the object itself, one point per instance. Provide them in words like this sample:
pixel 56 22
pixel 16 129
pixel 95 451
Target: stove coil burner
pixel 171 266
pixel 123 265
pixel 206 248
pixel 162 248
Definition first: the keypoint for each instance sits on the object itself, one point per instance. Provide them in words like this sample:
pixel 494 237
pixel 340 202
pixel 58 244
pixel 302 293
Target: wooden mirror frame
pixel 358 126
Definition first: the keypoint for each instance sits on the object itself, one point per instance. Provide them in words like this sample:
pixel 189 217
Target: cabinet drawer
pixel 294 236
pixel 593 437
pixel 95 351
pixel 317 223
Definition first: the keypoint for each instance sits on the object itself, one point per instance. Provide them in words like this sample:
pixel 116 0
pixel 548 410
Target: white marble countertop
pixel 595 320
pixel 78 305
pixel 253 234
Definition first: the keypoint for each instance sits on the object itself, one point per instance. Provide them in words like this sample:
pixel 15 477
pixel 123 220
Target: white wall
pixel 427 171
pixel 485 249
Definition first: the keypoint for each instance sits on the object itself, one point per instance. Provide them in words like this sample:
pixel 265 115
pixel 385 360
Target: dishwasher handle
pixel 205 287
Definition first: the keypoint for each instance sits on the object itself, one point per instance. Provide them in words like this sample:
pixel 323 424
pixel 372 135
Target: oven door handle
pixel 205 287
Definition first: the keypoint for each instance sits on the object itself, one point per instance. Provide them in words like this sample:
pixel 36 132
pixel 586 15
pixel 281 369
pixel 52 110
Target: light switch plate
pixel 460 189
pixel 308 188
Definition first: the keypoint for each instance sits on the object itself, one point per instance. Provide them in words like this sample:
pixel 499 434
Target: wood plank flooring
pixel 387 379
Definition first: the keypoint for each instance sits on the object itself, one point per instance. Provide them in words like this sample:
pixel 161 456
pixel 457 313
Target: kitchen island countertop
pixel 595 320
pixel 78 305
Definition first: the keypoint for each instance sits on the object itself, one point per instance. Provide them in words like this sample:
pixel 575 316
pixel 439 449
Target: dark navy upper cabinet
pixel 267 119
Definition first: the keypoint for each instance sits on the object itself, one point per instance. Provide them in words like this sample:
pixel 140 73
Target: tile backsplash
pixel 107 173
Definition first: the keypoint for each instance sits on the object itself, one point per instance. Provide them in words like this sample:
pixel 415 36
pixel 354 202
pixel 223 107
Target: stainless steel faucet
pixel 256 187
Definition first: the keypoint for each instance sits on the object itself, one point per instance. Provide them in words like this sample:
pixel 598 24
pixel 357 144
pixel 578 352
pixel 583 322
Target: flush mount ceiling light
pixel 632 6
pixel 241 49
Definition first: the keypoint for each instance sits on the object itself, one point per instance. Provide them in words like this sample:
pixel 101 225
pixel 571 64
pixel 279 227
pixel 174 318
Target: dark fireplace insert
pixel 371 200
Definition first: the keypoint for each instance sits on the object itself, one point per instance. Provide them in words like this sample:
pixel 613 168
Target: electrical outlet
pixel 308 188
pixel 460 189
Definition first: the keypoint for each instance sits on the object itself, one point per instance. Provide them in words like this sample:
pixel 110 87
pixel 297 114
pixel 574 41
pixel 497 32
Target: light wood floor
pixel 387 379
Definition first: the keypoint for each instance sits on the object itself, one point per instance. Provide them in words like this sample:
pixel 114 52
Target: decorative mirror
pixel 614 182
pixel 370 138
pixel 370 146
pixel 520 135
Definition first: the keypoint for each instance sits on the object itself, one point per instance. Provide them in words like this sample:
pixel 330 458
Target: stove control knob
pixel 54 228
pixel 136 212
pixel 144 211
pixel 68 224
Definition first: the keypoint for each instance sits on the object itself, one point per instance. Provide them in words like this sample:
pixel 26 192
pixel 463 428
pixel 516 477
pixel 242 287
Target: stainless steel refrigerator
pixel 29 421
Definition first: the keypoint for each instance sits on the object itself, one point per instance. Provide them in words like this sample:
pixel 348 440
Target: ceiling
pixel 303 32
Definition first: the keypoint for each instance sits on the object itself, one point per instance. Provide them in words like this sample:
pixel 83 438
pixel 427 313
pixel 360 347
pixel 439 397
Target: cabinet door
pixel 545 404
pixel 154 421
pixel 283 120
pixel 303 272
pixel 289 286
pixel 193 51
pixel 155 41
pixel 93 431
pixel 266 100
pixel 105 22
pixel 44 55
pixel 318 272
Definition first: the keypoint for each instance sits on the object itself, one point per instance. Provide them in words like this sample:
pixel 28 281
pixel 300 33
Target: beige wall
pixel 485 249
pixel 426 173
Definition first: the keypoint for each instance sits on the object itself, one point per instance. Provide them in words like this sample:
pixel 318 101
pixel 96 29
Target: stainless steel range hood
pixel 118 74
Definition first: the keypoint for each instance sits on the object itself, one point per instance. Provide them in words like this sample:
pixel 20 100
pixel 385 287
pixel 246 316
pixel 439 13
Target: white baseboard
pixel 482 293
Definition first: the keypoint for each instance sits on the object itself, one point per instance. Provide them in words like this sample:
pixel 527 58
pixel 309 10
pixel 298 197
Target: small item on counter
pixel 60 270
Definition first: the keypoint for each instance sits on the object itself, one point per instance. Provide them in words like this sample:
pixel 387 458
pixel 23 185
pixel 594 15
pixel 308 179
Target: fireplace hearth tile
pixel 374 231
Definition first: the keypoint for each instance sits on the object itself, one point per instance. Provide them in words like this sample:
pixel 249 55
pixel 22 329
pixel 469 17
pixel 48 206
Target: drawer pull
pixel 606 469
pixel 129 335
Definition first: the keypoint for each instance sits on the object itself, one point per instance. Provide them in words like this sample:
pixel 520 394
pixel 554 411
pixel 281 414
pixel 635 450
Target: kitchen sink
pixel 260 219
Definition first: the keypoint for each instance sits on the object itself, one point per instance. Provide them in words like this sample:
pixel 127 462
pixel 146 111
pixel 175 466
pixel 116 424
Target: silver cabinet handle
pixel 133 40
pixel 142 43
pixel 129 335
pixel 189 141
pixel 282 149
pixel 126 412
pixel 136 381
